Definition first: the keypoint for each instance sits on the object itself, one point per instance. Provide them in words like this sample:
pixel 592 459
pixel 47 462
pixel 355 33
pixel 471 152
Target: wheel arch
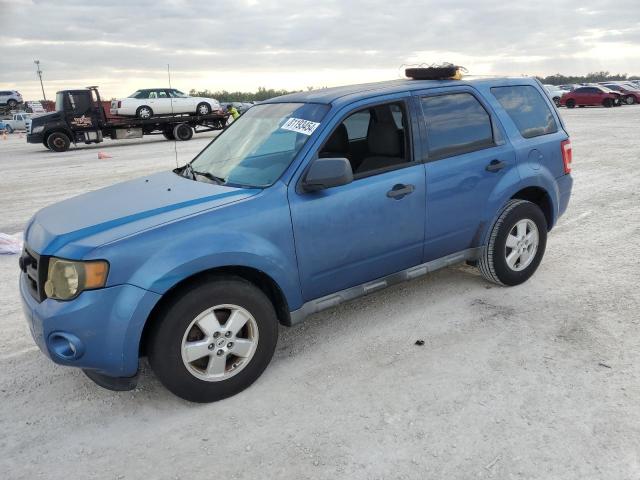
pixel 540 197
pixel 256 277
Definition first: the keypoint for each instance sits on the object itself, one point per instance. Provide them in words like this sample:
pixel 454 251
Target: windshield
pixel 260 145
pixel 134 94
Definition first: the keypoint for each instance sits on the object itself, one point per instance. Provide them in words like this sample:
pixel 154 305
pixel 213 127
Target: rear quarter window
pixel 528 110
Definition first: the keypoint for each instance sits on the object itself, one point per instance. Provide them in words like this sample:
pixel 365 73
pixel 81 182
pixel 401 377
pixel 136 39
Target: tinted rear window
pixel 456 123
pixel 528 110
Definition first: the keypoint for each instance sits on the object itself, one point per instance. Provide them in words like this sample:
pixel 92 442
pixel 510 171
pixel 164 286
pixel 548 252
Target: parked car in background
pixel 555 93
pixel 629 95
pixel 312 199
pixel 150 102
pixel 240 106
pixel 18 121
pixel 10 98
pixel 590 96
pixel 569 87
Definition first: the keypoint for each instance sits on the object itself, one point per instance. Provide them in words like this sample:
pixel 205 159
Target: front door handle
pixel 495 166
pixel 400 191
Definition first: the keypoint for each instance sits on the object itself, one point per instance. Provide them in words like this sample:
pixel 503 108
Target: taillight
pixel 567 155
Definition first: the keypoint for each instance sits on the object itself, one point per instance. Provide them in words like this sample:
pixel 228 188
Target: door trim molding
pixel 351 293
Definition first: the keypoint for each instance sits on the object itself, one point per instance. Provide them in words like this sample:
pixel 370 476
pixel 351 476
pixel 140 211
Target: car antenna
pixel 175 142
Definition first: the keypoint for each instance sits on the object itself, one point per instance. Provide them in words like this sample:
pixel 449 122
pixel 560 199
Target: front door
pixel 372 227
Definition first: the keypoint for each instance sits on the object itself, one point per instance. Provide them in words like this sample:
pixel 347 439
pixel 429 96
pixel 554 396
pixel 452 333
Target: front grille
pixel 34 268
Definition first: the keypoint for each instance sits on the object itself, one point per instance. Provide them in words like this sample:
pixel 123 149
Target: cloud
pixel 293 44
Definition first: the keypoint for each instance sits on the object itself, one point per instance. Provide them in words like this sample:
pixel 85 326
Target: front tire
pixel 607 103
pixel 144 112
pixel 203 109
pixel 214 339
pixel 630 100
pixel 58 142
pixel 12 104
pixel 571 103
pixel 516 244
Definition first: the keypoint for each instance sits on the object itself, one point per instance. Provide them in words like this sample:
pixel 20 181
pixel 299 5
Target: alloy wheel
pixel 219 343
pixel 522 245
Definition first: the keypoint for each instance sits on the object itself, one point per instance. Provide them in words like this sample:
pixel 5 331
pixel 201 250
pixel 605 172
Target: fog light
pixel 65 346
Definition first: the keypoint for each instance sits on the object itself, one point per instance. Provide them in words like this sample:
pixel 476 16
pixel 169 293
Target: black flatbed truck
pixel 80 118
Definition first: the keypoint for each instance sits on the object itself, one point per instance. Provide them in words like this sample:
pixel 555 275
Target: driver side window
pixel 374 140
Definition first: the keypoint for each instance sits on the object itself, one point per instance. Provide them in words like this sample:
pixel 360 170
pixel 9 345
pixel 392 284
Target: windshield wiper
pixel 210 176
pixel 189 172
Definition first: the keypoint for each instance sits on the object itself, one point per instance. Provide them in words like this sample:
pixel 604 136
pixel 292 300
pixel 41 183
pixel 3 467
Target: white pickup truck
pixel 17 122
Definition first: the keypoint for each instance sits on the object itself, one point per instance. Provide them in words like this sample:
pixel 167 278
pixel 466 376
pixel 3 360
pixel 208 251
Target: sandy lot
pixel 539 381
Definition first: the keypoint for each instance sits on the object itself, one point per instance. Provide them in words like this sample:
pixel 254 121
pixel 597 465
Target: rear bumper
pixel 565 184
pixel 98 331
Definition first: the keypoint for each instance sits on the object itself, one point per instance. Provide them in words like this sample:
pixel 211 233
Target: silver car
pixel 11 98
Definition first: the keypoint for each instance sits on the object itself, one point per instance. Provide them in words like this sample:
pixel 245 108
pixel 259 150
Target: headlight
pixel 37 129
pixel 66 279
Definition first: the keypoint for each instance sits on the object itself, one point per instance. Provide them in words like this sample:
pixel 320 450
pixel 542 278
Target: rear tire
pixel 168 134
pixel 58 142
pixel 182 132
pixel 12 104
pixel 9 129
pixel 516 244
pixel 144 112
pixel 571 103
pixel 194 369
pixel 556 100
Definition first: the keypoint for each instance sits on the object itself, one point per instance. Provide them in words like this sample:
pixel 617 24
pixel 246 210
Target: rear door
pixel 352 234
pixel 467 158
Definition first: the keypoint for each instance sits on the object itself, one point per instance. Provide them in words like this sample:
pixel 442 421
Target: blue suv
pixel 306 201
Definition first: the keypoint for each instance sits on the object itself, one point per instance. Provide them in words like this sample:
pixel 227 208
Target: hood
pixel 43 118
pixel 105 215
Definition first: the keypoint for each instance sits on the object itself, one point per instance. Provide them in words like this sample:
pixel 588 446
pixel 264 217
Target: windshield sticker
pixel 299 125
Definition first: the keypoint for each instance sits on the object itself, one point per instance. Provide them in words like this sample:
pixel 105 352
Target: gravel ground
pixel 536 381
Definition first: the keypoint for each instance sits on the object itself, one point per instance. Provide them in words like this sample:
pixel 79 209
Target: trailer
pixel 80 117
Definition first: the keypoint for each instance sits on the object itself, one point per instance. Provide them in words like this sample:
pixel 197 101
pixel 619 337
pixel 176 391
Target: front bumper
pixel 35 137
pixel 98 331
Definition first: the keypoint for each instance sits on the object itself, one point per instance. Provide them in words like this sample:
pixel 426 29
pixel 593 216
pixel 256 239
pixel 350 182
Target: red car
pixel 629 95
pixel 590 95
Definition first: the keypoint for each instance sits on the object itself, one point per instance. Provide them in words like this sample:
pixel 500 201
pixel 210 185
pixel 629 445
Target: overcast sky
pixel 292 44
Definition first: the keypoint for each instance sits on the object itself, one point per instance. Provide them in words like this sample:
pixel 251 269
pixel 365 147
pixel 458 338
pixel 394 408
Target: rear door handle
pixel 495 166
pixel 399 191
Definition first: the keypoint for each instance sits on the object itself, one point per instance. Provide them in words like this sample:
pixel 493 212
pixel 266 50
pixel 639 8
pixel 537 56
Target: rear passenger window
pixel 456 123
pixel 527 109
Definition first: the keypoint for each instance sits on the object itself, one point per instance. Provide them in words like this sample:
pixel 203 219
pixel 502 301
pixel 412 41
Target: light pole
pixel 39 72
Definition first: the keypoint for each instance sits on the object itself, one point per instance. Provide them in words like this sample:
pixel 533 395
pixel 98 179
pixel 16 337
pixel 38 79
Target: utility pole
pixel 39 72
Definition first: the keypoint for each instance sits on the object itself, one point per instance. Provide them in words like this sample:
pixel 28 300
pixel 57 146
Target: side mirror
pixel 327 173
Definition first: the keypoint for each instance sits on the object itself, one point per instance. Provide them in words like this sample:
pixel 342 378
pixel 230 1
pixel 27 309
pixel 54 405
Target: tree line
pixel 593 77
pixel 226 96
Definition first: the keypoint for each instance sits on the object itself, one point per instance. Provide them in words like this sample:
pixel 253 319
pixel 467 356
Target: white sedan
pixel 555 93
pixel 151 102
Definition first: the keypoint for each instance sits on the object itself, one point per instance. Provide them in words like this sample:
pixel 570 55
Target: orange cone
pixel 102 156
